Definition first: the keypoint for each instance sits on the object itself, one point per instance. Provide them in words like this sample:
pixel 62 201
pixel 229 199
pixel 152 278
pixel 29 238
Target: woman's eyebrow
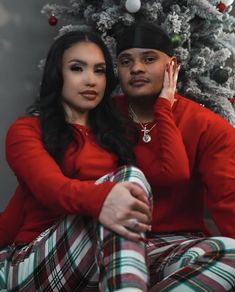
pixel 85 63
pixel 77 61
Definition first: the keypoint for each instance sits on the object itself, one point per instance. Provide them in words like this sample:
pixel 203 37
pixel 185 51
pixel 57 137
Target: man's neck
pixel 143 107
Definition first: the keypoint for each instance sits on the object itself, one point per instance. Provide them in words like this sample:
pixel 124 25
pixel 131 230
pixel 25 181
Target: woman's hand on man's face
pixel 170 81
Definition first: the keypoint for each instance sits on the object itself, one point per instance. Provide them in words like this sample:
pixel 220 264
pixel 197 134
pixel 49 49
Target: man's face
pixel 141 71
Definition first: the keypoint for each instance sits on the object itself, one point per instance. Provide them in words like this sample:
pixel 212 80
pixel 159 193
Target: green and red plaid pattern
pixel 64 257
pixel 60 259
pixel 77 254
pixel 191 262
pixel 122 262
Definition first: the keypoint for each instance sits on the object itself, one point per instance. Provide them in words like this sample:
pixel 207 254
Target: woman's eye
pixel 76 68
pixel 100 70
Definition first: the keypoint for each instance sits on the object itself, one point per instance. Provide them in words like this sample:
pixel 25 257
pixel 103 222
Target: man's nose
pixel 137 67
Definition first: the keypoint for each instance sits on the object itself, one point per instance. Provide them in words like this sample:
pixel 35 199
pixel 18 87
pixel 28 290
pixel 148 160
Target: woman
pixel 72 137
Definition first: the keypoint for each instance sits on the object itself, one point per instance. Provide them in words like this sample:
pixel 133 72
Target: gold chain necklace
pixel 146 136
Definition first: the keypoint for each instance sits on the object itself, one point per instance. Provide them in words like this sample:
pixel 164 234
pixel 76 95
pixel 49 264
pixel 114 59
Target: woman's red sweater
pixel 44 193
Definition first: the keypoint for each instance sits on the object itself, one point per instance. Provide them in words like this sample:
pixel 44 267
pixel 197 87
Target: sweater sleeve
pixel 174 164
pixel 11 219
pixel 217 168
pixel 38 171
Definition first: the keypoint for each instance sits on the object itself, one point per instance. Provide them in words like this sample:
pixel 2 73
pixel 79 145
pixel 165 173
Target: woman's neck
pixel 75 117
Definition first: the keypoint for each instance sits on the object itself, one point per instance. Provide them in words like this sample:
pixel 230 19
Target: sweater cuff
pixel 160 103
pixel 94 206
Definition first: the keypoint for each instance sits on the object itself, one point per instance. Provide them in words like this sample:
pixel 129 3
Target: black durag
pixel 144 35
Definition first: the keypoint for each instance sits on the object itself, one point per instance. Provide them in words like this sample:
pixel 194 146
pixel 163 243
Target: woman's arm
pixel 171 163
pixel 174 164
pixel 37 171
pixel 11 219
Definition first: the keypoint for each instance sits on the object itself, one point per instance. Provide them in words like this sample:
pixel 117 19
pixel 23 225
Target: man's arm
pixel 217 166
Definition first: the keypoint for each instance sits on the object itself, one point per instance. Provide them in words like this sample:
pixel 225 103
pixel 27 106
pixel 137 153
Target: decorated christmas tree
pixel 202 31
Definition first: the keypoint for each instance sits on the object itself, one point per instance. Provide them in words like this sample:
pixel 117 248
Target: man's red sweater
pixel 209 141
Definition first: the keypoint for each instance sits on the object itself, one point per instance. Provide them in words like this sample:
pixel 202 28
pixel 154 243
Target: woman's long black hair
pixel 104 121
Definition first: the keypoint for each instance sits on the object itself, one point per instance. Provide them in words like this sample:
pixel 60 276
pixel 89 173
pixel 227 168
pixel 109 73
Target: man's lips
pixel 138 81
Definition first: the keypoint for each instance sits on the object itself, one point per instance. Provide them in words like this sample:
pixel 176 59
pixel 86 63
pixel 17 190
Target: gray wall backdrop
pixel 25 37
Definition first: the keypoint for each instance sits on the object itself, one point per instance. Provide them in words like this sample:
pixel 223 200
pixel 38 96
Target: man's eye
pixel 76 68
pixel 124 62
pixel 150 60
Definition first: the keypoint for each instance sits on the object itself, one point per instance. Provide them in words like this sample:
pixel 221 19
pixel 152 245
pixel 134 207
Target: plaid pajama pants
pixel 78 254
pixel 191 262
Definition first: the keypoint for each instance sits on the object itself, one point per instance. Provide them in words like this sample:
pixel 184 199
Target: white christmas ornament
pixel 133 6
pixel 227 2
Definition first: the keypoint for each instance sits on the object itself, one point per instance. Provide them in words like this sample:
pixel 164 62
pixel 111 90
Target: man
pixel 181 255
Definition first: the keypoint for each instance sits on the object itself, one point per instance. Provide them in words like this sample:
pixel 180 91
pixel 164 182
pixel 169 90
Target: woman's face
pixel 84 80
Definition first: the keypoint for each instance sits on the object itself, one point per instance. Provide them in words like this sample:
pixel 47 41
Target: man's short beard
pixel 145 97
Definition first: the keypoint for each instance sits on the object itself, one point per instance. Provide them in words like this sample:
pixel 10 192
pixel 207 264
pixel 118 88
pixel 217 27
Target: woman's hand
pixel 170 81
pixel 125 202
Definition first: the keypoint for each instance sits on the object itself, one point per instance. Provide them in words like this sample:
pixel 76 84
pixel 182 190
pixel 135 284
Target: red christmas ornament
pixel 52 20
pixel 231 99
pixel 221 7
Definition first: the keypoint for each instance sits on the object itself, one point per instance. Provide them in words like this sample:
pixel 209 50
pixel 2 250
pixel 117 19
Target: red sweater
pixel 210 144
pixel 44 194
